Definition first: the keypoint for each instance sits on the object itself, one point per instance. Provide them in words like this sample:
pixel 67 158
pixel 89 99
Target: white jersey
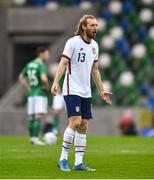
pixel 81 55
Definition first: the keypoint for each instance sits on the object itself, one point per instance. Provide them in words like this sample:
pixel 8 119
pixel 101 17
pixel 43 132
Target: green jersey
pixel 33 71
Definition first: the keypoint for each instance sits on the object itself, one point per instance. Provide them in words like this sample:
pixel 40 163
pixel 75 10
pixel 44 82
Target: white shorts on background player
pixel 37 105
pixel 58 102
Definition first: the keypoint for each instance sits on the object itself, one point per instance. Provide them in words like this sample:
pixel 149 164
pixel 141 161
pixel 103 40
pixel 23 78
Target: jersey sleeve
pixel 68 49
pixel 97 53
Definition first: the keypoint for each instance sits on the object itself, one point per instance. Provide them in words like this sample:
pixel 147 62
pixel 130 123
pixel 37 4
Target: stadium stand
pixel 126 50
pixel 126 40
pixel 125 36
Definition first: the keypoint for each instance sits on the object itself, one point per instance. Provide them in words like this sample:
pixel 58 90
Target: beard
pixel 90 34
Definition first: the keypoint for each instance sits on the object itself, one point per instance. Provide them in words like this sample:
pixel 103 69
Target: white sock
pixel 34 138
pixel 67 141
pixel 80 145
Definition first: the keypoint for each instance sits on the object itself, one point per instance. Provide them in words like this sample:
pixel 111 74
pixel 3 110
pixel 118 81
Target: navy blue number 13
pixel 81 57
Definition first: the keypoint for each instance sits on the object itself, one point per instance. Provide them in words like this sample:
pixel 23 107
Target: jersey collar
pixel 87 42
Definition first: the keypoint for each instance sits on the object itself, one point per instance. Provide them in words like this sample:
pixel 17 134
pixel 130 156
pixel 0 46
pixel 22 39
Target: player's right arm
pixel 24 81
pixel 60 70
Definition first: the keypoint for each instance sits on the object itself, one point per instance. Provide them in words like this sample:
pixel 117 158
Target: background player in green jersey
pixel 34 78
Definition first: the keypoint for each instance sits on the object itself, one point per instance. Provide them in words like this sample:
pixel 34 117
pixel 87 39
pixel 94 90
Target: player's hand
pixel 106 96
pixel 54 89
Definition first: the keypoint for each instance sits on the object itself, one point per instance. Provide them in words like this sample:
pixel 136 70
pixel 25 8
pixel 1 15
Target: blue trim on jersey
pixel 78 106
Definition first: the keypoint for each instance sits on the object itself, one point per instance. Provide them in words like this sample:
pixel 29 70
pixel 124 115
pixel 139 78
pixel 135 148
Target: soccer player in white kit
pixel 80 55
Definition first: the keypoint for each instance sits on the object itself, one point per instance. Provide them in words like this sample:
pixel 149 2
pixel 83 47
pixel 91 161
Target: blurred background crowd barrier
pixel 126 40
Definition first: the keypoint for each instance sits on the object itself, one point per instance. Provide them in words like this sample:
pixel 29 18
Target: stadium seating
pixel 126 51
pixel 125 37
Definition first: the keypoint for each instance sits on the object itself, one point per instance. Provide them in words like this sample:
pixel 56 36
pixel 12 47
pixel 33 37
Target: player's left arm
pixel 44 77
pixel 99 84
pixel 45 81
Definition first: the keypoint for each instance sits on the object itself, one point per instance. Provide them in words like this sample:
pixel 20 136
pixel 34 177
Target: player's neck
pixel 39 60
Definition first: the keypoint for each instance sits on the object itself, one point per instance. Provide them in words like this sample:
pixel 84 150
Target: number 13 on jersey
pixel 81 57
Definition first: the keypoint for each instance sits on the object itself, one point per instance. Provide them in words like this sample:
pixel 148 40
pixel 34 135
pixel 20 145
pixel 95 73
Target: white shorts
pixel 58 102
pixel 37 105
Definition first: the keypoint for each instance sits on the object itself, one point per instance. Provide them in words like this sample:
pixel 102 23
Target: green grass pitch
pixel 113 157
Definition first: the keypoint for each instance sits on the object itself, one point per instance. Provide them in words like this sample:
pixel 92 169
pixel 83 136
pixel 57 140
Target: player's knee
pixel 38 116
pixel 83 127
pixel 75 123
